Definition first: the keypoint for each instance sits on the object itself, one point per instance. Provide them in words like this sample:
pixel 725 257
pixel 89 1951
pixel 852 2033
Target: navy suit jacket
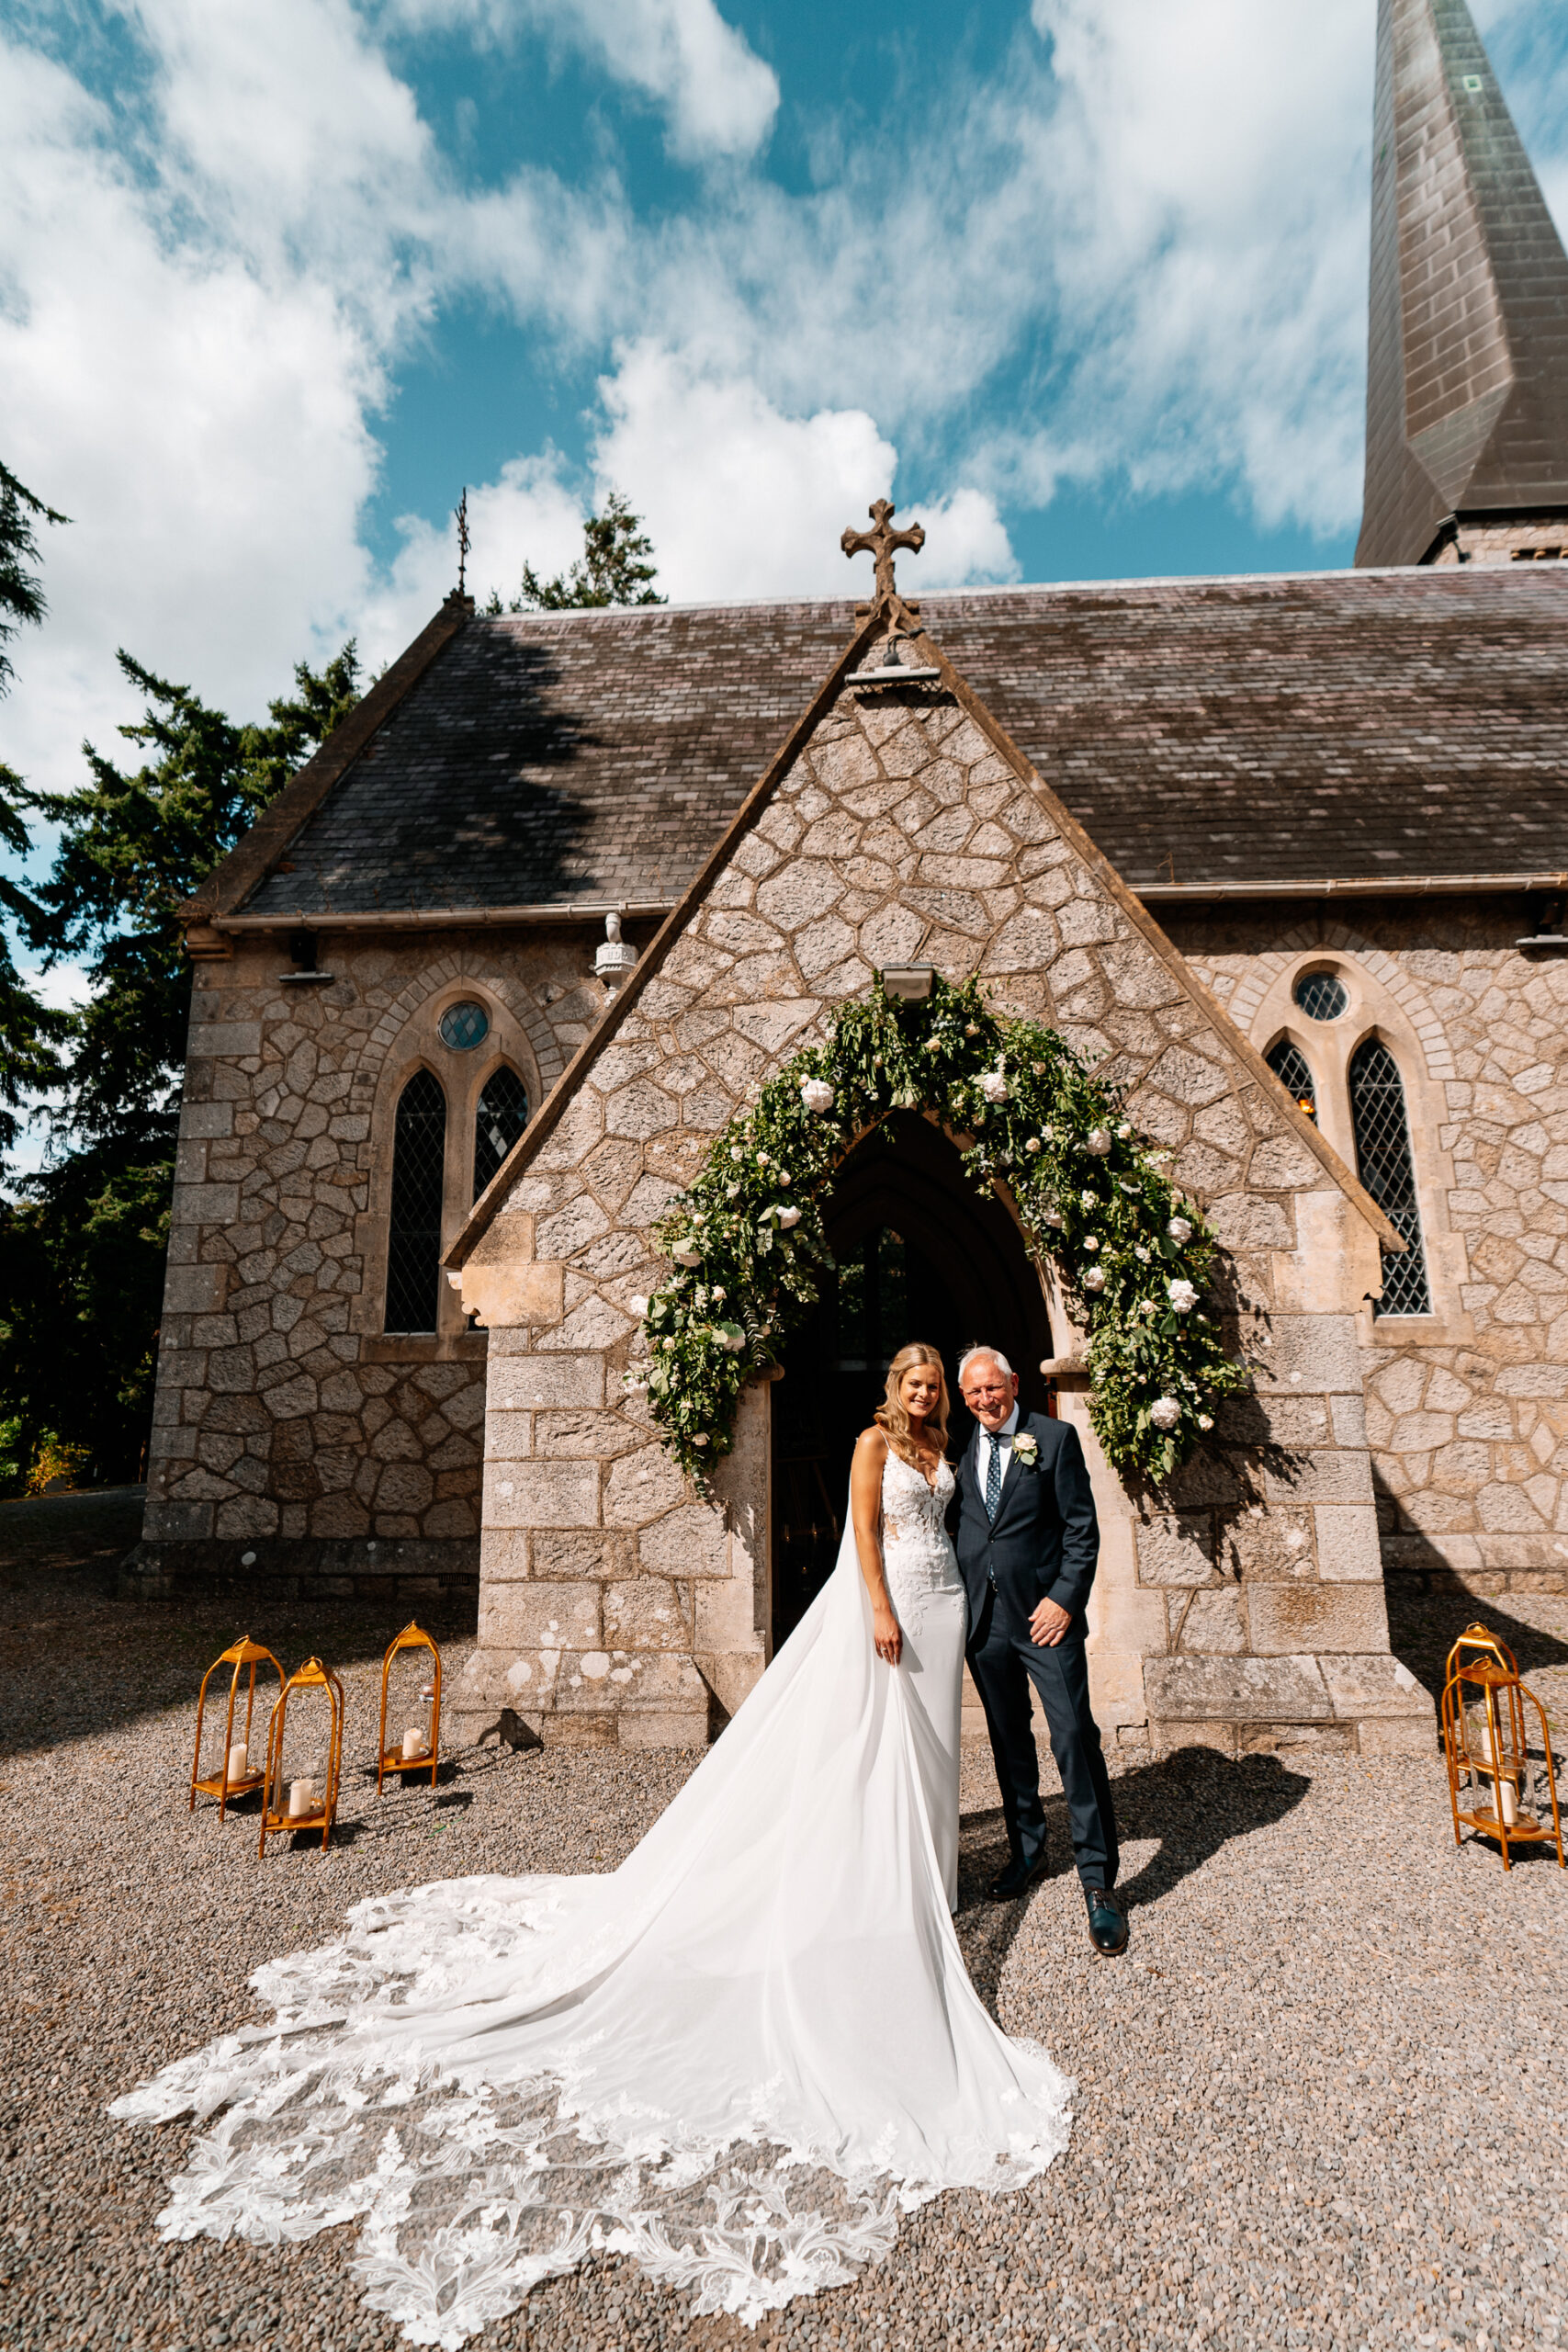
pixel 1045 1540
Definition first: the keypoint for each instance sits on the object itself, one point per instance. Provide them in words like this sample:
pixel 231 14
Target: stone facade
pixel 293 1435
pixel 1467 1408
pixel 1246 1607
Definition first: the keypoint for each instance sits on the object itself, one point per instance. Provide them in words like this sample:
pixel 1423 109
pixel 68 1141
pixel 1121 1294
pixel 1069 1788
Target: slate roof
pixel 1344 725
pixel 1467 372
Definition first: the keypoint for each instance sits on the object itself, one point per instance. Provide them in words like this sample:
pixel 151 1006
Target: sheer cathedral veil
pixel 735 2058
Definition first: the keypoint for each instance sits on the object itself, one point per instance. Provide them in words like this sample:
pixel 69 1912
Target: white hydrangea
pixel 816 1094
pixel 1165 1412
pixel 1097 1140
pixel 1182 1296
pixel 1179 1229
pixel 994 1086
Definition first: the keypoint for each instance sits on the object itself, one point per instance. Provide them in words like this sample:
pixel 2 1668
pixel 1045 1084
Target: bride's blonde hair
pixel 891 1417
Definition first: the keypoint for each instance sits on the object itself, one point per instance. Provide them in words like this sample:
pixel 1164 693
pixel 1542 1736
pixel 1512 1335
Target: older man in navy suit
pixel 1027 1541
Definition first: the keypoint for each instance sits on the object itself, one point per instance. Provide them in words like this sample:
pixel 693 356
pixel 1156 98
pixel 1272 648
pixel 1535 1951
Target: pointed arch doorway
pixel 920 1255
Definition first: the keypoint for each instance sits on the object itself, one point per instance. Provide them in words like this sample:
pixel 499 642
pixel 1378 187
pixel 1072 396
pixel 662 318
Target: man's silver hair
pixel 991 1355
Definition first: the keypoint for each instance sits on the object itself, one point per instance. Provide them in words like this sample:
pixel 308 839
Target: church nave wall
pixel 295 1436
pixel 1467 1405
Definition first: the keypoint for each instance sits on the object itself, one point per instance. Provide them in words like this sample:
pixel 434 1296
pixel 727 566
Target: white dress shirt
pixel 983 1451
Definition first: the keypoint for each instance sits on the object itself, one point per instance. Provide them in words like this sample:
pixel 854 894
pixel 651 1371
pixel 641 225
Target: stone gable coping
pixel 963 884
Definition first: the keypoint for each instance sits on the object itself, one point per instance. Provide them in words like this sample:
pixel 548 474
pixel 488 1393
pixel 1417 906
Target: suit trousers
pixel 1004 1662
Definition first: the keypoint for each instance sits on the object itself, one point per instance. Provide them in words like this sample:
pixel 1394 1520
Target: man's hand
pixel 1048 1624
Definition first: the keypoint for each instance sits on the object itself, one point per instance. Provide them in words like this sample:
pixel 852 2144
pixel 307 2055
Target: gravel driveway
pixel 1322 2102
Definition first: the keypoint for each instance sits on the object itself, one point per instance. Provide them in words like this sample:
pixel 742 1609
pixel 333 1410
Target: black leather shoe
pixel 1106 1921
pixel 1016 1879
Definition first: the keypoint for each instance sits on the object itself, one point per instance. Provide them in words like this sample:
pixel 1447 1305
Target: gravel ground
pixel 1322 2100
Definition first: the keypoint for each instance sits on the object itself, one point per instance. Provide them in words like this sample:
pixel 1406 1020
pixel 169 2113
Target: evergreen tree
pixel 613 569
pixel 28 1031
pixel 82 1251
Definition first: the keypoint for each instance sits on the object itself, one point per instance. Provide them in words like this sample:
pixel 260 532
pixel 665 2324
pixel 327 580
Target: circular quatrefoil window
pixel 1321 996
pixel 465 1025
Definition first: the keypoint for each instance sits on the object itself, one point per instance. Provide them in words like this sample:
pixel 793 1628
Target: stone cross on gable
pixel 883 543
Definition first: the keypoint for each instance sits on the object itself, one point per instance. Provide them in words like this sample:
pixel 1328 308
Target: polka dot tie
pixel 994 1478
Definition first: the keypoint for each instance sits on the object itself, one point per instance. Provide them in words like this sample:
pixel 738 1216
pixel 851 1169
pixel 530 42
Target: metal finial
pixel 464 542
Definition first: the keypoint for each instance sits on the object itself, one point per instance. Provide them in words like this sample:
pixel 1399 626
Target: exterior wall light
pixel 910 981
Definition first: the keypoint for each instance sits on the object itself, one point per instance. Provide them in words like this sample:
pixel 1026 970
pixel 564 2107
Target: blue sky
pixel 1082 282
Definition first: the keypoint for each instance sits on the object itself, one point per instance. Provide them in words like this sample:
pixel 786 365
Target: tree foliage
pixel 615 568
pixel 21 588
pixel 29 1032
pixel 81 1249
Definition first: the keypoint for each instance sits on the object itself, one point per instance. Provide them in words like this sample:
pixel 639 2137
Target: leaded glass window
pixel 501 1118
pixel 1383 1163
pixel 414 1244
pixel 1321 996
pixel 1291 1067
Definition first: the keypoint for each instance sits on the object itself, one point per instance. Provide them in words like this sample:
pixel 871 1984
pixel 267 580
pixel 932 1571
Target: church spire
pixel 1467 369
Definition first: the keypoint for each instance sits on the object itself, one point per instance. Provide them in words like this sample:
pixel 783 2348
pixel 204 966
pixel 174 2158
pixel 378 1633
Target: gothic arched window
pixel 501 1115
pixel 1384 1166
pixel 413 1242
pixel 1291 1067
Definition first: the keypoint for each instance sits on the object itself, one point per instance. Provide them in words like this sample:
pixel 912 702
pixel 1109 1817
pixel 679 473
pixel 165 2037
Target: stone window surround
pixel 1330 1047
pixel 463 1075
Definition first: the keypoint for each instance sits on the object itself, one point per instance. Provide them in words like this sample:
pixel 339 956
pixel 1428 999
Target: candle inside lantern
pixel 1504 1796
pixel 415 1743
pixel 301 1800
pixel 239 1761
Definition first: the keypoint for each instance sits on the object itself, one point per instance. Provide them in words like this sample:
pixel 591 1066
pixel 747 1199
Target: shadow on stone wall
pixel 1193 1803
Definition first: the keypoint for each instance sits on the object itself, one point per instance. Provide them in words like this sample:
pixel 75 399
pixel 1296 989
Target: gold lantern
pixel 1486 1744
pixel 238 1770
pixel 295 1800
pixel 418 1745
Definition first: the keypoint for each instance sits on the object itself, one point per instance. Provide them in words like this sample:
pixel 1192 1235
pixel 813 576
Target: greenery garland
pixel 747 1237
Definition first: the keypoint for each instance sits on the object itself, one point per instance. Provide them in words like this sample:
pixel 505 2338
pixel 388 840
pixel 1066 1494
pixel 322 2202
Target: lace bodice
pixel 916 1550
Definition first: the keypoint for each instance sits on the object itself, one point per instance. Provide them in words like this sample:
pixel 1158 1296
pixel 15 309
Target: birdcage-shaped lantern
pixel 417 1746
pixel 234 1765
pixel 1496 1786
pixel 304 1754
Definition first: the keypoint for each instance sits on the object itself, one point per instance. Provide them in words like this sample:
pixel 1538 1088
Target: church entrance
pixel 920 1256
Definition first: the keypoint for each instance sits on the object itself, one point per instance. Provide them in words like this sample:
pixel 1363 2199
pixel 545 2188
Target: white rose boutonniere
pixel 1026 1450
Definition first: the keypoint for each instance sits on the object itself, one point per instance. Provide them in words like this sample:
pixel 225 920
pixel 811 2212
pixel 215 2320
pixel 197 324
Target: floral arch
pixel 746 1236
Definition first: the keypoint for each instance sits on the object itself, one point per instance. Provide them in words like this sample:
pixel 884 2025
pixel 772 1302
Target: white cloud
pixel 739 499
pixel 529 516
pixel 719 96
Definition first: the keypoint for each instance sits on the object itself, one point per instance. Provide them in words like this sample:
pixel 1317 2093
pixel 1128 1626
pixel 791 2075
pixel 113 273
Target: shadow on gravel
pixel 1193 1803
pixel 1423 1626
pixel 76 1659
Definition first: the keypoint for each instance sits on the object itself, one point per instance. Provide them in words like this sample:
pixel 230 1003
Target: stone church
pixel 1285 857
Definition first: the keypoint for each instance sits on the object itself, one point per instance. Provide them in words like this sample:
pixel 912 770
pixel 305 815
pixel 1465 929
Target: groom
pixel 1028 1540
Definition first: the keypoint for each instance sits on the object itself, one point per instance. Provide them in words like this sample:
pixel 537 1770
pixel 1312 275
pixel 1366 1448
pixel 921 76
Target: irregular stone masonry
pixel 1466 1410
pixel 292 1438
pixel 903 832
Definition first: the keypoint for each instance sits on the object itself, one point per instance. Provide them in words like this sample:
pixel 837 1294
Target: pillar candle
pixel 302 1799
pixel 413 1743
pixel 1505 1797
pixel 239 1762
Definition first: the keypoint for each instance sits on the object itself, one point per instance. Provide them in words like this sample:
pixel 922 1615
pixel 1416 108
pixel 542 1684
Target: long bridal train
pixel 736 2058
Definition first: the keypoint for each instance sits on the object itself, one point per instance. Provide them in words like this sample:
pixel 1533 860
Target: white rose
pixel 788 1217
pixel 1034 1144
pixel 719 1295
pixel 816 1094
pixel 1097 1140
pixel 1124 1130
pixel 1183 1297
pixel 736 1152
pixel 731 1191
pixel 1165 1412
pixel 1179 1229
pixel 701 1438
pixel 994 1086
pixel 1205 1422
pixel 1054 1217
pixel 1090 1242
pixel 638 1305
pixel 668 1344
pixel 1090 1200
pixel 1094 1278
pixel 971 1029
pixel 1141 1254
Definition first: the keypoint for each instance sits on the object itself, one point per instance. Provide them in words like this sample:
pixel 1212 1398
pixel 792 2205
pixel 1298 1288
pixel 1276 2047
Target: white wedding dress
pixel 735 2058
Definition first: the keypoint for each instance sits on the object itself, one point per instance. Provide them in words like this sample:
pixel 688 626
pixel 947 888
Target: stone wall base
pixel 396 1572
pixel 1358 1705
pixel 1374 1736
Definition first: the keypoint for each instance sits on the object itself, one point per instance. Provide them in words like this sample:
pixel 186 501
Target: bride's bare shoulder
pixel 874 1440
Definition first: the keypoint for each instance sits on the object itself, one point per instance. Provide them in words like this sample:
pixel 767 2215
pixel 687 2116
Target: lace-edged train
pixel 735 2060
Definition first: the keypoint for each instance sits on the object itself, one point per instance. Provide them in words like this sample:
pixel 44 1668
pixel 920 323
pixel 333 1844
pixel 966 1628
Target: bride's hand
pixel 889 1640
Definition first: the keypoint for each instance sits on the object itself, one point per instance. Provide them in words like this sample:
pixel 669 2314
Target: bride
pixel 735 2059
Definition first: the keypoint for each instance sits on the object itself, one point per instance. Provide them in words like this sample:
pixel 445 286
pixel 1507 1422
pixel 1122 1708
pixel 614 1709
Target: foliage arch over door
pixel 747 1237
